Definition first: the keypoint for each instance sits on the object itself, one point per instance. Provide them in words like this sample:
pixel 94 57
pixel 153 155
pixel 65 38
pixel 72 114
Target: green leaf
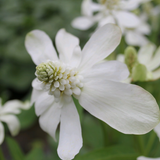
pixel 110 153
pixel 35 154
pixel 14 149
pixel 27 118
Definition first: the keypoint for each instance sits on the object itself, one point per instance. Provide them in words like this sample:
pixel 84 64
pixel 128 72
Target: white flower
pixel 150 58
pixel 117 12
pixel 146 158
pixel 7 115
pixel 125 107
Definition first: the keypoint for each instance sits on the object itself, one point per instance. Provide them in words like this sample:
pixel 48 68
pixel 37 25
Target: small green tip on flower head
pixel 139 72
pixel 130 57
pixel 41 72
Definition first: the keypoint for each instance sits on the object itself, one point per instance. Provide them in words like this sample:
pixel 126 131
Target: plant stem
pixel 1 154
pixel 140 143
pixel 150 143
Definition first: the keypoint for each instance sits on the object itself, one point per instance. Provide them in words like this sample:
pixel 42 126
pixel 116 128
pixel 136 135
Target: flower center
pixel 59 79
pixel 110 4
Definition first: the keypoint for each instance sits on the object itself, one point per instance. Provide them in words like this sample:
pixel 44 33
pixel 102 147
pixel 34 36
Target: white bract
pixel 118 12
pixel 7 115
pixel 125 107
pixel 148 56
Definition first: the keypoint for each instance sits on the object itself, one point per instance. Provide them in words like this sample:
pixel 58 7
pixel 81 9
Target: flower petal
pixel 156 74
pixel 82 23
pixel 125 107
pixel 35 94
pixel 155 62
pixel 146 158
pixel 40 47
pixel 127 19
pixel 70 140
pixel 1 133
pixel 106 20
pixel 109 70
pixel 134 38
pixel 12 122
pixel 157 130
pixel 49 120
pixel 66 43
pixel 145 53
pixel 43 102
pixel 102 43
pixel 38 85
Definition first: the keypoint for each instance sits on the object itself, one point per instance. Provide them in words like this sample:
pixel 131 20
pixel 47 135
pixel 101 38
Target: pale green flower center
pixel 110 4
pixel 59 79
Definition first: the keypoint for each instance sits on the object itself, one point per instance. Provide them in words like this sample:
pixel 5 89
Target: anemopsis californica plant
pixel 75 72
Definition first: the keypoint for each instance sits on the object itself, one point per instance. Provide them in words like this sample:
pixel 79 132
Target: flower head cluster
pixel 118 12
pixel 7 115
pixel 95 83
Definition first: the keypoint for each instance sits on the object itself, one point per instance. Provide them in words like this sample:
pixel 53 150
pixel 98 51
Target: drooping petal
pixel 102 43
pixel 157 130
pixel 147 158
pixel 40 47
pixel 12 123
pixel 127 19
pixel 70 140
pixel 12 106
pixel 66 43
pixel 125 107
pixel 155 61
pixel 134 38
pixel 43 102
pixel 1 133
pixel 109 70
pixel 35 94
pixel 145 53
pixel 82 23
pixel 49 120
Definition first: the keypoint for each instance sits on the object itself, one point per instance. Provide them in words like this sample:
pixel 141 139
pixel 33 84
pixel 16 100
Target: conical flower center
pixel 59 79
pixel 110 4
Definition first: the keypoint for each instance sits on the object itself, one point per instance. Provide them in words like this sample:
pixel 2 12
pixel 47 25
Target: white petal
pixel 43 102
pixel 65 43
pixel 106 20
pixel 102 43
pixel 109 70
pixel 12 122
pixel 49 120
pixel 156 74
pixel 127 19
pixel 120 57
pixel 144 28
pixel 82 23
pixel 155 62
pixel 128 108
pixel 132 4
pixel 70 140
pixel 1 133
pixel 134 38
pixel 38 85
pixel 35 94
pixel 40 47
pixel 146 158
pixel 76 57
pixel 145 53
pixel 157 130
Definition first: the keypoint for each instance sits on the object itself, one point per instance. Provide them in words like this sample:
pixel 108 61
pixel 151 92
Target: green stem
pixel 1 154
pixel 105 133
pixel 140 143
pixel 150 143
